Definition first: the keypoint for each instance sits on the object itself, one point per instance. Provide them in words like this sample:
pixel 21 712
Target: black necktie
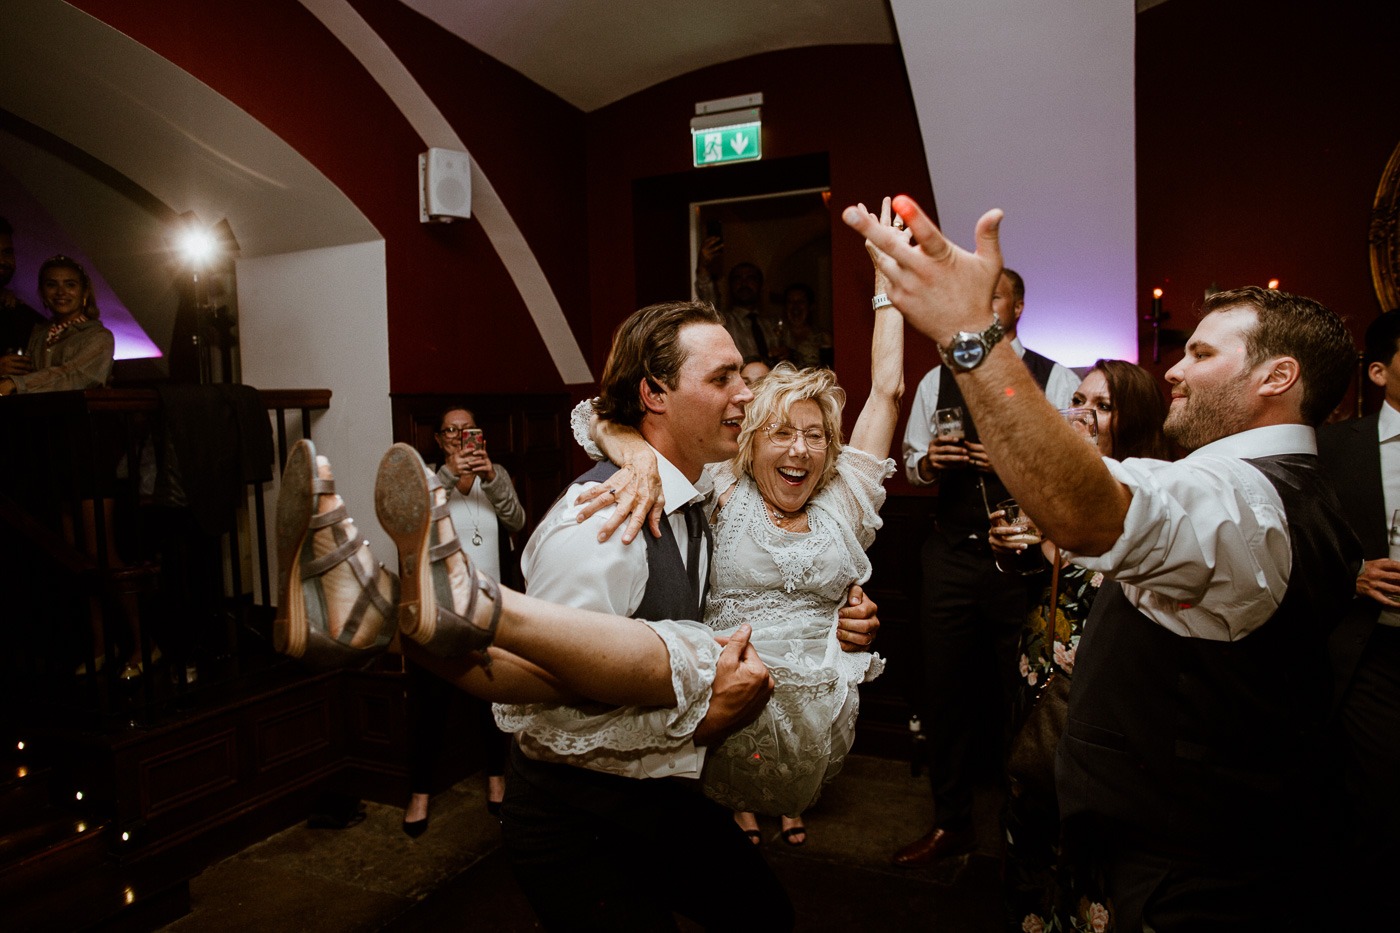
pixel 696 528
pixel 759 342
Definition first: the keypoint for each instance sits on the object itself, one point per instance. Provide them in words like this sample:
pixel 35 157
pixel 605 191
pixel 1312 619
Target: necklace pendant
pixel 476 539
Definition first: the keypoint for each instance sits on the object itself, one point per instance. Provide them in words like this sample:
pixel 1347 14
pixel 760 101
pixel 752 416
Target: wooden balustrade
pixel 84 513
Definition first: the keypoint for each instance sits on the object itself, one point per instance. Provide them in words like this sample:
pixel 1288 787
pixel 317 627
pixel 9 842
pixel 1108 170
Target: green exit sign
pixel 741 142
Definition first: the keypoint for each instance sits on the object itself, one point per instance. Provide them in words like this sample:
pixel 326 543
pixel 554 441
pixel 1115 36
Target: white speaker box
pixel 444 186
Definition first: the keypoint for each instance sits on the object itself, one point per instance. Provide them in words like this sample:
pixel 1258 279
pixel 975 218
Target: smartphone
pixel 472 440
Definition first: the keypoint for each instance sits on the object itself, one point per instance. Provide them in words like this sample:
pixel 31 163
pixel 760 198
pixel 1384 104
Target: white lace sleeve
pixel 581 421
pixel 858 491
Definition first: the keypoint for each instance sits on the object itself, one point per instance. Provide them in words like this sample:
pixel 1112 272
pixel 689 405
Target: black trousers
pixel 428 698
pixel 1370 733
pixel 970 624
pixel 599 852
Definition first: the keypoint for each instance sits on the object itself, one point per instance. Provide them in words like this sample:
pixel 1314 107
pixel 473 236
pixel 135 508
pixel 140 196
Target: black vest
pixel 667 596
pixel 1209 747
pixel 960 510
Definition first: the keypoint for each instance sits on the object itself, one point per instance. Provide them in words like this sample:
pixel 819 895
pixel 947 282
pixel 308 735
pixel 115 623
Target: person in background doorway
pixel 755 332
pixel 800 343
pixel 753 370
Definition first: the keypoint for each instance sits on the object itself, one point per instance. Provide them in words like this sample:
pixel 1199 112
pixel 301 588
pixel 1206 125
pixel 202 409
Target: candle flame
pixel 1156 293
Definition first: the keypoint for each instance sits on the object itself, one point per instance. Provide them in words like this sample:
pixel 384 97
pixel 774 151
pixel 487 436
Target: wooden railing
pixel 89 533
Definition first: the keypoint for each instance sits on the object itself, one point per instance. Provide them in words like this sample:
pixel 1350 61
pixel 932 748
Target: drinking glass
pixel 1395 535
pixel 1084 421
pixel 948 423
pixel 1021 563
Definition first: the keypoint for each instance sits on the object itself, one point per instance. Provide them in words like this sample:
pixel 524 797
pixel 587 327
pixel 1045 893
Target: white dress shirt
pixel 918 433
pixel 1388 429
pixel 1205 550
pixel 565 563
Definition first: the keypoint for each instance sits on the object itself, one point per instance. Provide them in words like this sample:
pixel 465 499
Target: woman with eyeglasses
pixel 485 508
pixel 72 350
pixel 795 511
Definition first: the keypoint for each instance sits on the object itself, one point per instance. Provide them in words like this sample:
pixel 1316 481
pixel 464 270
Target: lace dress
pixel 789 586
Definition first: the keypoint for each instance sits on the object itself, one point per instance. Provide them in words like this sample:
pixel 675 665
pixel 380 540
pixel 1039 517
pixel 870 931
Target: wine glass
pixel 1021 563
pixel 1084 421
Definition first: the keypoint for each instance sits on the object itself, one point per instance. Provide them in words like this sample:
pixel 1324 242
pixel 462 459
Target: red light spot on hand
pixel 1010 392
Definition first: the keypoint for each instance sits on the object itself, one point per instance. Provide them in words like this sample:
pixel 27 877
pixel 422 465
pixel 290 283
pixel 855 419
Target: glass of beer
pixel 948 423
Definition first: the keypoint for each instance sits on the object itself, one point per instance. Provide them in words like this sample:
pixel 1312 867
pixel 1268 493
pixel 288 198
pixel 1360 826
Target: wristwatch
pixel 969 349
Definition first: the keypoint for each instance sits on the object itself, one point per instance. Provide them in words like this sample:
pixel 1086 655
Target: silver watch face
pixel 968 350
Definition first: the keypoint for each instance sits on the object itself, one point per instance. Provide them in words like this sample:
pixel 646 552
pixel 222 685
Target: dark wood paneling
pixel 291 734
pixel 196 770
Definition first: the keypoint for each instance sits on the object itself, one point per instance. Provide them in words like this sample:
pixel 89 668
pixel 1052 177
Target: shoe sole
pixel 403 505
pixel 296 503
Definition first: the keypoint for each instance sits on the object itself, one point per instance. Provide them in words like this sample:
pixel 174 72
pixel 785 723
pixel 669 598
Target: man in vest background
pixel 1362 459
pixel 1193 756
pixel 970 613
pixel 624 846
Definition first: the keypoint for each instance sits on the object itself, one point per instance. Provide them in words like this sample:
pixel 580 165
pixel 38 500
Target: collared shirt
pixel 918 433
pixel 1388 431
pixel 1205 550
pixel 565 563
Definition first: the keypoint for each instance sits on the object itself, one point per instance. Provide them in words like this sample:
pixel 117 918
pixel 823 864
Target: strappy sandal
pixel 302 629
pixel 405 499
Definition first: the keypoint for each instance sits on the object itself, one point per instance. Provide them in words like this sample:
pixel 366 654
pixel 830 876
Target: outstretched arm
pixel 875 426
pixel 942 289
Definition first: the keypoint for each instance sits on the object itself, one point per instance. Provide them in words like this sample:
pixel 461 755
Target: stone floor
pixel 373 877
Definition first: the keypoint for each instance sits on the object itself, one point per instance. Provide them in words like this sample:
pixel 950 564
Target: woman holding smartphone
pixel 486 511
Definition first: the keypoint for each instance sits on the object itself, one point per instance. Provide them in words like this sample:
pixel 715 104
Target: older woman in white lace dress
pixel 794 514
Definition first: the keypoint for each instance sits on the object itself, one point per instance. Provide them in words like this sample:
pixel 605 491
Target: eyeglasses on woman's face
pixel 785 435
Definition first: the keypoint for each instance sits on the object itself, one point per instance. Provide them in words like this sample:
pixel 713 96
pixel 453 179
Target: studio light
pixel 197 246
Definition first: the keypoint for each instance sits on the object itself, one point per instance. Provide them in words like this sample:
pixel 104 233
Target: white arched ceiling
pixel 1029 107
pixel 487 208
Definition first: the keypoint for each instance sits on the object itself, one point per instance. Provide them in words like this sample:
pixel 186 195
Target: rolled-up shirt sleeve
pixel 918 432
pixel 1205 550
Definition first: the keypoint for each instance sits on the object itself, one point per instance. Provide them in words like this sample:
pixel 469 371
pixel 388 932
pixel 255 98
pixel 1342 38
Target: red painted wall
pixel 850 102
pixel 456 321
pixel 1262 131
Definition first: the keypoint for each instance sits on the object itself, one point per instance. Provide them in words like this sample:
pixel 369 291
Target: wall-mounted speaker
pixel 444 186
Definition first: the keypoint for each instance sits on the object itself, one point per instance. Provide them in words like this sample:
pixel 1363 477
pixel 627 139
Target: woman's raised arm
pixel 874 429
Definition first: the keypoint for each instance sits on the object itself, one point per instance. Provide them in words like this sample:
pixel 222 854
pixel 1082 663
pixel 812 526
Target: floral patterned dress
pixel 1049 887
